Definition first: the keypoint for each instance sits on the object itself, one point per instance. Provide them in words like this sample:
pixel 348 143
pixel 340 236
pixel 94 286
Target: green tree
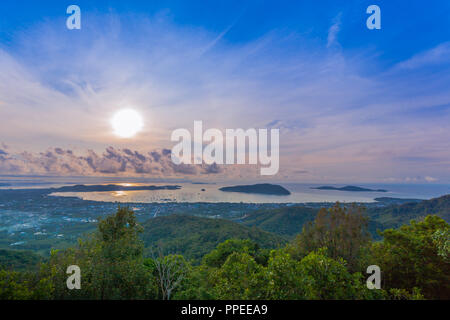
pixel 441 238
pixel 111 263
pixel 327 278
pixel 341 230
pixel 283 278
pixel 170 272
pixel 238 278
pixel 24 286
pixel 411 257
pixel 217 257
pixel 198 285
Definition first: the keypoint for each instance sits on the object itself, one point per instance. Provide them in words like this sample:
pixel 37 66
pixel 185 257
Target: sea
pixel 194 191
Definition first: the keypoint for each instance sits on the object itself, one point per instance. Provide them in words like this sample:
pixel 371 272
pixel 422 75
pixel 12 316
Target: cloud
pixel 115 162
pixel 212 168
pixel 435 56
pixel 333 31
pixel 338 118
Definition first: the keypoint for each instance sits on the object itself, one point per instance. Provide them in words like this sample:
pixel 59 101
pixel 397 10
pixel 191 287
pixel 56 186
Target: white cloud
pixel 430 179
pixel 435 56
pixel 333 31
pixel 59 88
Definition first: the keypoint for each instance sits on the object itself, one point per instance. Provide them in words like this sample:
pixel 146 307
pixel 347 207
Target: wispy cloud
pixel 436 56
pixel 333 31
pixel 339 120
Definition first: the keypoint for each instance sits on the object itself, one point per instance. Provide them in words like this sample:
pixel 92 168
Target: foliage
pixel 238 278
pixel 341 230
pixel 397 215
pixel 327 261
pixel 286 221
pixel 19 260
pixel 193 237
pixel 170 272
pixel 218 256
pixel 23 285
pixel 441 239
pixel 411 257
pixel 111 262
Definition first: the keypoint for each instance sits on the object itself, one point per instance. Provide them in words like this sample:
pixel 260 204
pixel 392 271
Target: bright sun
pixel 126 123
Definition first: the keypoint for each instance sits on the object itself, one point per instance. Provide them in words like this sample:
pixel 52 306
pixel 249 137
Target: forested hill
pixel 286 221
pixel 194 236
pixel 396 215
pixel 19 260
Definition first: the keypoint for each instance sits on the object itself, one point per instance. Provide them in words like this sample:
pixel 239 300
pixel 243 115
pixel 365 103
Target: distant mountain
pixel 262 188
pixel 349 188
pixel 110 187
pixel 287 221
pixel 194 236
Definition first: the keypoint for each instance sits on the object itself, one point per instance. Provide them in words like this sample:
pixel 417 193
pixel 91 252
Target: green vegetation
pixel 415 256
pixel 396 215
pixel 111 261
pixel 193 237
pixel 326 261
pixel 19 260
pixel 287 221
pixel 341 231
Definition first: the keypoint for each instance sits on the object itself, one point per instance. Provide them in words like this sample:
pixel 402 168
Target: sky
pixel 352 104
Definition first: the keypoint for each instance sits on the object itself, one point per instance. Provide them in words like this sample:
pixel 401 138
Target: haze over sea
pixel 209 191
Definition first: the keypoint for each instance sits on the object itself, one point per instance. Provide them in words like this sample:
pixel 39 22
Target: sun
pixel 126 123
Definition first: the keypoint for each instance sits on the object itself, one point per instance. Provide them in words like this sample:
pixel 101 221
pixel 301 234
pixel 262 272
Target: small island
pixel 262 188
pixel 111 187
pixel 388 200
pixel 350 188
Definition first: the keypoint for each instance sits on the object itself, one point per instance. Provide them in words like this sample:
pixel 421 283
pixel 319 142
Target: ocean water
pixel 300 193
pixel 192 192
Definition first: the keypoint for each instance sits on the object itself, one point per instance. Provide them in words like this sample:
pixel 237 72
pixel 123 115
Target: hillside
pixel 289 221
pixel 396 215
pixel 19 260
pixel 286 221
pixel 194 236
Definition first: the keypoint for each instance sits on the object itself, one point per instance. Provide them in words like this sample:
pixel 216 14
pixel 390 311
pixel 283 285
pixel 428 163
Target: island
pixel 111 187
pixel 262 188
pixel 388 200
pixel 350 188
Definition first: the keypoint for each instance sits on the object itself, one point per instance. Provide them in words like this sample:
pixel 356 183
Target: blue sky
pixel 407 27
pixel 352 104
